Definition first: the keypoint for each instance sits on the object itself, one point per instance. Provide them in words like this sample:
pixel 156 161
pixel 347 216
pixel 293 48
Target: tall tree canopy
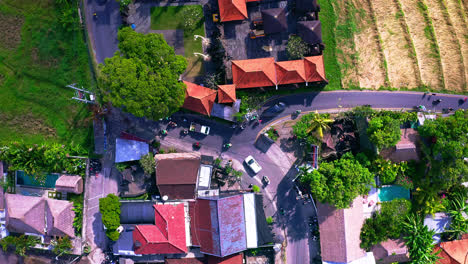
pixel 384 131
pixel 142 77
pixel 339 182
pixel 448 146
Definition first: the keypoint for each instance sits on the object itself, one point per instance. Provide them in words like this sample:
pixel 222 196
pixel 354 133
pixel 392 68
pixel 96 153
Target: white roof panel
pixel 250 220
pixel 204 177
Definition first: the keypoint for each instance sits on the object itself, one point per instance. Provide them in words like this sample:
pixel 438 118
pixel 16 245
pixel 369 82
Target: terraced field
pixel 397 44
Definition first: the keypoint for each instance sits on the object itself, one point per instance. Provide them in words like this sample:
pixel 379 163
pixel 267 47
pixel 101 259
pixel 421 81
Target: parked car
pixel 274 110
pixel 253 164
pixel 266 180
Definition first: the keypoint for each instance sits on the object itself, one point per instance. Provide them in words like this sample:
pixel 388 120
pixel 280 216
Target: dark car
pixel 274 110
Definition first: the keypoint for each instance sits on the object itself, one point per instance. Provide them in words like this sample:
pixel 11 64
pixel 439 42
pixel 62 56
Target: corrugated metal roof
pixel 219 225
pixel 128 150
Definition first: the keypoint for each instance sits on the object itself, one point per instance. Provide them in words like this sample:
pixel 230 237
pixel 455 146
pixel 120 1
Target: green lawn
pixel 38 57
pixel 172 17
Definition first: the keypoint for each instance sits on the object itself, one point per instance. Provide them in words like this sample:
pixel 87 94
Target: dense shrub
pixel 339 182
pixel 297 48
pixel 385 224
pixel 110 211
pixel 147 163
pixel 62 245
pixel 38 160
pixel 384 131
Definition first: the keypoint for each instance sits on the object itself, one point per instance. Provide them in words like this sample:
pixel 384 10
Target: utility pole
pixel 82 95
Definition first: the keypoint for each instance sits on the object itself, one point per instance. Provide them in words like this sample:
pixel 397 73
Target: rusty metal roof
pixel 219 225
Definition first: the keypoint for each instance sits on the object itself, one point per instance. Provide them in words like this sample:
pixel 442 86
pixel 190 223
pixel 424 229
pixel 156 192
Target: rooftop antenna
pixel 82 95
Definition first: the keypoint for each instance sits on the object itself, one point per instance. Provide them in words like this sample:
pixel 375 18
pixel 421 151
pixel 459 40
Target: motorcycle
pixel 196 145
pixel 227 145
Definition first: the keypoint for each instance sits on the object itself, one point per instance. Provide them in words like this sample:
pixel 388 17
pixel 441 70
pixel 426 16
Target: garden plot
pixel 425 45
pixel 397 47
pixel 460 24
pixel 371 65
pixel 450 53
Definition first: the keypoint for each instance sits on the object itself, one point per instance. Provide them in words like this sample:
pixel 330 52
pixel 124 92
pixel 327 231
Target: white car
pixel 253 164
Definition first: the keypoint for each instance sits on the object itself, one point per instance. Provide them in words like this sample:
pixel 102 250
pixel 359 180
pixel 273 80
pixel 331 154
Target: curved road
pixel 277 165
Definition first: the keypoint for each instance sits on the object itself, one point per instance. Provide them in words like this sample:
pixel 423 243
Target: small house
pixel 69 184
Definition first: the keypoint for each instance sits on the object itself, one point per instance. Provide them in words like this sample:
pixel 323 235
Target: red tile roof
pixel 226 93
pixel 254 73
pixel 452 251
pixel 230 10
pixel 219 225
pixel 314 69
pixel 184 261
pixel 340 231
pixel 166 236
pixel 289 72
pixel 199 99
pixel 234 259
pixel 177 174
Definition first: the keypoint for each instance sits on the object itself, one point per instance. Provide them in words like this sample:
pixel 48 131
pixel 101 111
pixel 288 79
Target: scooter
pixel 227 145
pixel 196 145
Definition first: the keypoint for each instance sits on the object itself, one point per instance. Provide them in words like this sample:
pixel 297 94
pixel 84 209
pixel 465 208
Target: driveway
pixel 103 27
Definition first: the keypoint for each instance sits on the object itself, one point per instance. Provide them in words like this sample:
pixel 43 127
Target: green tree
pixel 447 150
pixel 110 210
pixel 62 245
pixel 143 76
pixel 312 124
pixel 385 223
pixel 297 48
pixel 384 131
pixel 147 163
pixel 339 182
pixel 255 188
pixel 418 239
pixel 19 243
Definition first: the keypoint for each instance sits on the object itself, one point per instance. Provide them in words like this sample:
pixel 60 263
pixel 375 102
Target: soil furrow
pixel 402 69
pixel 450 53
pixel 421 32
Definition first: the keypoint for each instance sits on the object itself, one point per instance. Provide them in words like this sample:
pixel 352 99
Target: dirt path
pixel 425 45
pixel 459 20
pixel 371 69
pixel 401 63
pixel 450 53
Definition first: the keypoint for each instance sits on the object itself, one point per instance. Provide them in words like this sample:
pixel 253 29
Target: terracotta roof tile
pixel 254 73
pixel 199 99
pixel 314 69
pixel 226 93
pixel 230 10
pixel 454 251
pixel 289 72
pixel 234 259
pixel 177 174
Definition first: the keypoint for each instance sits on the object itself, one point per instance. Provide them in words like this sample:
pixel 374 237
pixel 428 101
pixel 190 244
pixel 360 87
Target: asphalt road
pixel 300 247
pixel 103 26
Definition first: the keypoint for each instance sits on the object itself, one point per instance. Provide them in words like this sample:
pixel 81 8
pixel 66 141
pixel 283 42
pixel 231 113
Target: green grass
pixel 171 17
pixel 328 20
pixel 35 105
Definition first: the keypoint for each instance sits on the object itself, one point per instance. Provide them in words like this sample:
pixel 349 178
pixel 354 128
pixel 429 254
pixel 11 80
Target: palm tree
pixel 458 225
pixel 319 124
pixel 418 239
